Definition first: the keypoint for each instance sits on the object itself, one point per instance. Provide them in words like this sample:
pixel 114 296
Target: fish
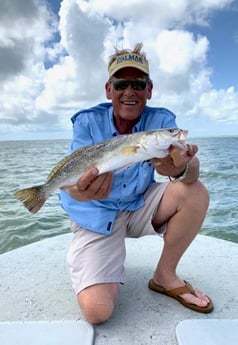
pixel 116 153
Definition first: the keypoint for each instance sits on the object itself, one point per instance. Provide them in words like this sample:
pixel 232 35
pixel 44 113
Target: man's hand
pixel 91 186
pixel 175 163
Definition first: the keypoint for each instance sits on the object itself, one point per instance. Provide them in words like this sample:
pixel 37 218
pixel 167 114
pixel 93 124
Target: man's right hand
pixel 91 186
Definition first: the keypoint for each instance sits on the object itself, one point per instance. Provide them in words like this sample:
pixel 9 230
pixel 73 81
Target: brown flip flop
pixel 175 293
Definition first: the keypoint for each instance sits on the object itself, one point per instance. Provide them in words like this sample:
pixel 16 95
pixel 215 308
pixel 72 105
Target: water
pixel 24 163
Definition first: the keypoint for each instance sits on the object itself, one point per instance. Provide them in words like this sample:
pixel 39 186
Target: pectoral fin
pixel 130 150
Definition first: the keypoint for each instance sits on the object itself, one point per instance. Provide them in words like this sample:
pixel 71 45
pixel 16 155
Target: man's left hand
pixel 175 162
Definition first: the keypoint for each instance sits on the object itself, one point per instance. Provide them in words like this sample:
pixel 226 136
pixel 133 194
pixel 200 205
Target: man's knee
pixel 194 193
pixel 97 302
pixel 201 193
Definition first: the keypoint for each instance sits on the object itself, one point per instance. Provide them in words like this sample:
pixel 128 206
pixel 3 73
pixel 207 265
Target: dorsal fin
pixel 62 163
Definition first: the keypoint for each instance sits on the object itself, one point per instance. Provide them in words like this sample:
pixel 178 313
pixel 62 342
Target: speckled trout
pixel 116 153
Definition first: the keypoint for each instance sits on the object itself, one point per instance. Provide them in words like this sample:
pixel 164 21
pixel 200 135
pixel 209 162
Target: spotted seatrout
pixel 116 153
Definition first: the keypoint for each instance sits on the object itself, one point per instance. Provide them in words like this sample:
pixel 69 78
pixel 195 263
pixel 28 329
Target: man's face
pixel 128 104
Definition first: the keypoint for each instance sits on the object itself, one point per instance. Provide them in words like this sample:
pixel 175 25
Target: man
pixel 106 209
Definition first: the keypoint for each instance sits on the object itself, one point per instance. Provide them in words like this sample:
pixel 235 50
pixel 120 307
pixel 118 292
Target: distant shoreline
pixel 68 139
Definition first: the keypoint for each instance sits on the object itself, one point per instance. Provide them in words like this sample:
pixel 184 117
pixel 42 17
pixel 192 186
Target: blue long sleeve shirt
pixel 92 126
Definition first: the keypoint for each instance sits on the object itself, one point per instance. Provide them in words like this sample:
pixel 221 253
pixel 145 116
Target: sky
pixel 54 55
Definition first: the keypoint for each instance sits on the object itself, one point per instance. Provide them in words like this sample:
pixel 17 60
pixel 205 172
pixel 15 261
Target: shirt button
pixel 124 186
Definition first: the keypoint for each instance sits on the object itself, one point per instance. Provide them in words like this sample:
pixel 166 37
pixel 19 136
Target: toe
pixel 196 297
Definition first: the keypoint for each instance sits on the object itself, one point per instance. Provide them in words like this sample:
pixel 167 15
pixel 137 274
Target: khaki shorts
pixel 94 258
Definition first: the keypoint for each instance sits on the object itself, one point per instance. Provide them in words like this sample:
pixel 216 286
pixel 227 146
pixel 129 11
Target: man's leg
pixel 96 264
pixel 183 207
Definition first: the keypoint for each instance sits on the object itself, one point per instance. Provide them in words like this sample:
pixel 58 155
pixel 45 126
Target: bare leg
pixel 184 206
pixel 97 302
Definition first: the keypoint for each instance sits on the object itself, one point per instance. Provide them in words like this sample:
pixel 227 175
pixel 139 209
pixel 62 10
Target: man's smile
pixel 129 102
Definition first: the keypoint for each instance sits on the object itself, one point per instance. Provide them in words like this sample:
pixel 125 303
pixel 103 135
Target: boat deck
pixel 35 285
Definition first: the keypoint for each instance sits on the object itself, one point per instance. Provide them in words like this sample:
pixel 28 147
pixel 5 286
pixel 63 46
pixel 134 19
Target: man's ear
pixel 149 91
pixel 108 88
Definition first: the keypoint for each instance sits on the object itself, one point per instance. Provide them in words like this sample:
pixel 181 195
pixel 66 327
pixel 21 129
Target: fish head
pixel 157 142
pixel 178 138
pixel 171 136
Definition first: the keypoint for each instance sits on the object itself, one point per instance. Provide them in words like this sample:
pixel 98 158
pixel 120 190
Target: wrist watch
pixel 181 176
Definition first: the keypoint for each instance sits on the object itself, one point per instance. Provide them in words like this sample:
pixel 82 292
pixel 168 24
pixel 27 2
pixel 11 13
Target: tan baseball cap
pixel 129 60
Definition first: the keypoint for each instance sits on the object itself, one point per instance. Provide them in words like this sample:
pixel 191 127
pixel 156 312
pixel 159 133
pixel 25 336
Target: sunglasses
pixel 137 84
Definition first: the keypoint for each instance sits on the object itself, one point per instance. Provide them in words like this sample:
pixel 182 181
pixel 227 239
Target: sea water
pixel 27 163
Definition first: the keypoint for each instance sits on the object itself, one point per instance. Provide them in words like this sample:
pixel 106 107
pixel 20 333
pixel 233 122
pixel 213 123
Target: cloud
pixel 25 28
pixel 220 105
pixel 50 65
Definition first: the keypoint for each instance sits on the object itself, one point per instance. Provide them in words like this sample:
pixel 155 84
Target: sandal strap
pixel 187 288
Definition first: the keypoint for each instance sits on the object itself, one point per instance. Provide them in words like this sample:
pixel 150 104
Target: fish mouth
pixel 181 142
pixel 183 134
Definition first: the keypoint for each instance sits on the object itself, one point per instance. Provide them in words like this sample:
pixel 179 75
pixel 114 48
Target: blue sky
pixel 222 34
pixel 53 61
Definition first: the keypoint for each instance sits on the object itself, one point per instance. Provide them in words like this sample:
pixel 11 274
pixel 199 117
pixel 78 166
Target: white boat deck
pixel 35 285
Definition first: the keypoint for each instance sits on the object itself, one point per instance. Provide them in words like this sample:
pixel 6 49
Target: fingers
pixel 175 162
pixel 179 157
pixel 100 187
pixel 91 187
pixel 87 179
pixel 191 150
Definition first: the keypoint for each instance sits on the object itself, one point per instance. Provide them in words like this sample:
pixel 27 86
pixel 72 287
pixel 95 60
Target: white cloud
pixel 25 26
pixel 179 53
pixel 43 81
pixel 220 105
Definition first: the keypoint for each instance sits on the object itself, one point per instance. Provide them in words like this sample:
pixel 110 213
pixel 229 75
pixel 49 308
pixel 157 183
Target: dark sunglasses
pixel 137 84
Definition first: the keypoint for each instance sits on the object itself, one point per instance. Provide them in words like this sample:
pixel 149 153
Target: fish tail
pixel 33 198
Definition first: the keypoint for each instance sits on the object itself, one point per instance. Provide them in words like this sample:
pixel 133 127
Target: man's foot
pixel 190 297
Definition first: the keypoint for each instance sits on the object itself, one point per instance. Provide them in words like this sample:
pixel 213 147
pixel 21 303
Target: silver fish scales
pixel 116 153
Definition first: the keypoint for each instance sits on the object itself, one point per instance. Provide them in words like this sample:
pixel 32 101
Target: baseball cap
pixel 133 60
